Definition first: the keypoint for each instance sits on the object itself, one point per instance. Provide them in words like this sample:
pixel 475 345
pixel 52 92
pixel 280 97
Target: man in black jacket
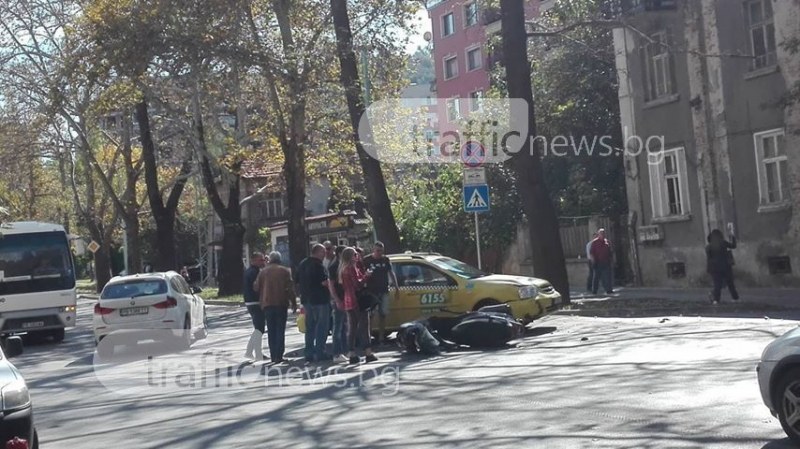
pixel 312 282
pixel 253 305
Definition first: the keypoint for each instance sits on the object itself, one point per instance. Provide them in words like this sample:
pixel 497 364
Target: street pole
pixel 478 240
pixel 125 248
pixel 365 75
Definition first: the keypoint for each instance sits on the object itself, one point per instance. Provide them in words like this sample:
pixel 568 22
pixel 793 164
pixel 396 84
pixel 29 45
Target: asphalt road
pixel 572 383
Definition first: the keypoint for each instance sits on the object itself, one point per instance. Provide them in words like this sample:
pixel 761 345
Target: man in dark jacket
pixel 253 305
pixel 601 256
pixel 312 282
pixel 719 260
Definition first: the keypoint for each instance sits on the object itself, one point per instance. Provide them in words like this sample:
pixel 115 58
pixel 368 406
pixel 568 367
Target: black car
pixel 16 411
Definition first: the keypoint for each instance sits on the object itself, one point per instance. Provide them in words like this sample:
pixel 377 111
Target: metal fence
pixel 576 232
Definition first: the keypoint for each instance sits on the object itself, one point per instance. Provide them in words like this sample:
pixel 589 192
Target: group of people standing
pixel 331 283
pixel 268 294
pixel 719 263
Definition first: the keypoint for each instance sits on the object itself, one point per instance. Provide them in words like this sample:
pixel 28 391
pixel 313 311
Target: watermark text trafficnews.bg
pixel 423 130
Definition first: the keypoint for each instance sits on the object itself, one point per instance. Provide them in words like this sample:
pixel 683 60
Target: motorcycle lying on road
pixel 487 327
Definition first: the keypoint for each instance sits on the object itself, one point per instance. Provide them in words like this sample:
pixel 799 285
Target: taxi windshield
pixel 458 268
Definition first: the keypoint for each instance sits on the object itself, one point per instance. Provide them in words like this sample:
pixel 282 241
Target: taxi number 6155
pixel 432 298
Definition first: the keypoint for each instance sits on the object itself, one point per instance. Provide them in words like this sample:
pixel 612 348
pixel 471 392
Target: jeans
pixel 339 331
pixel 358 329
pixel 257 315
pixel 602 272
pixel 721 279
pixel 590 278
pixel 318 322
pixel 276 331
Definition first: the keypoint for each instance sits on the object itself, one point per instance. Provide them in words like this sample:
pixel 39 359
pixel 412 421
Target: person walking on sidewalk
pixel 253 305
pixel 276 294
pixel 719 259
pixel 600 252
pixel 339 333
pixel 590 278
pixel 353 279
pixel 380 269
pixel 316 299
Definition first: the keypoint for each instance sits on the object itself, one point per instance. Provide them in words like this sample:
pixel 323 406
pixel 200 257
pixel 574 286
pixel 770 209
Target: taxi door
pixel 424 291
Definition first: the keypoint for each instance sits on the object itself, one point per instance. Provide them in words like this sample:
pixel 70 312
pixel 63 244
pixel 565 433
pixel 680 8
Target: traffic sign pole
pixel 478 240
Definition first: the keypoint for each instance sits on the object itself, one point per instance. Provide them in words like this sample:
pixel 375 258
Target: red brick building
pixel 461 58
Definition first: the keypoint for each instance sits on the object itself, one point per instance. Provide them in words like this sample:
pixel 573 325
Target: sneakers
pixel 338 358
pixel 370 358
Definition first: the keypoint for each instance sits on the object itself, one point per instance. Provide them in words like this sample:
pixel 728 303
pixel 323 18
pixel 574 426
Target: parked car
pixel 16 418
pixel 431 284
pixel 136 307
pixel 779 381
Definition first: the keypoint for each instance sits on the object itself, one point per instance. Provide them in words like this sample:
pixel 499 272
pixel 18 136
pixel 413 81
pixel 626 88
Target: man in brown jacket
pixel 276 293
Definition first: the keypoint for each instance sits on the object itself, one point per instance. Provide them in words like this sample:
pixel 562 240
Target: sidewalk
pixel 652 301
pixel 778 297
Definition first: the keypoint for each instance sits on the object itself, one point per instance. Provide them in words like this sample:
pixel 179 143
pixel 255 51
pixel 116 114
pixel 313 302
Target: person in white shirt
pixel 590 279
pixel 330 256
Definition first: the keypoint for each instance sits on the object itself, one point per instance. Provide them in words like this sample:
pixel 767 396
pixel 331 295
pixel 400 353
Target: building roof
pixel 258 167
pixel 315 218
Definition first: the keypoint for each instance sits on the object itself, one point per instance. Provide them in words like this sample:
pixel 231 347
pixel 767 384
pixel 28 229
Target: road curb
pixel 706 311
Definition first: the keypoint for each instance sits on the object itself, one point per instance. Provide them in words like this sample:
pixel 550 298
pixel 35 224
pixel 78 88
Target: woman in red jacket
pixel 352 279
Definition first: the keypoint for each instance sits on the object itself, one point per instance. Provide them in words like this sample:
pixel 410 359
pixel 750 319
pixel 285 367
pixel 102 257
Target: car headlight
pixel 528 292
pixel 15 396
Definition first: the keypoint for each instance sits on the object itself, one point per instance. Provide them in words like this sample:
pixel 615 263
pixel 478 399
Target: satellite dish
pixel 427 36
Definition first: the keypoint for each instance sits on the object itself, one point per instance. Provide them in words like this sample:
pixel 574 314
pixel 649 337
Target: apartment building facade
pixel 460 31
pixel 710 79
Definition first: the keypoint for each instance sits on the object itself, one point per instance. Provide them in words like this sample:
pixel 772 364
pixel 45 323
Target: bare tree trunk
pixel 231 269
pixel 293 137
pixel 163 214
pixel 295 176
pixel 377 197
pixel 131 213
pixel 548 254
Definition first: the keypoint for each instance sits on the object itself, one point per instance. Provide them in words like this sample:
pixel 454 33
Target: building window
pixel 762 33
pixel 476 101
pixel 773 182
pixel 448 24
pixel 450 67
pixel 471 14
pixel 453 110
pixel 779 265
pixel 272 206
pixel 658 67
pixel 474 61
pixel 669 189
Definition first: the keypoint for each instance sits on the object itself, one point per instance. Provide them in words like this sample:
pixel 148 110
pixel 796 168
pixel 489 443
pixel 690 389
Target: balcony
pixel 490 15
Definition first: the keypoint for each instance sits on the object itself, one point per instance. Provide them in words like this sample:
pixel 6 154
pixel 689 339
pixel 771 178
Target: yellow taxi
pixel 430 284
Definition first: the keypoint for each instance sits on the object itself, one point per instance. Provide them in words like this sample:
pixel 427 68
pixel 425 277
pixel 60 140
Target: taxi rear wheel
pixel 484 303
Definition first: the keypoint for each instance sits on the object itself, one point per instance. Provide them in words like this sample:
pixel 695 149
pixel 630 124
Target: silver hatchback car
pixel 779 380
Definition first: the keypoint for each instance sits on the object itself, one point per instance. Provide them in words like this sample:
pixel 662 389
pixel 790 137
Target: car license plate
pixel 134 311
pixel 32 324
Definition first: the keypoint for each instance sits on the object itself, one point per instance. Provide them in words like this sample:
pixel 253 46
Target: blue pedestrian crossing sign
pixel 476 198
